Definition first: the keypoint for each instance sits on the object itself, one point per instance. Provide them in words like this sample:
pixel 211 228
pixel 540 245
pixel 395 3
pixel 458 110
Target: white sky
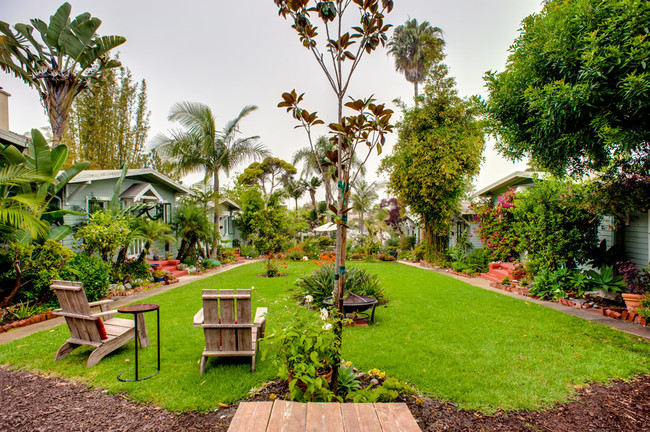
pixel 228 54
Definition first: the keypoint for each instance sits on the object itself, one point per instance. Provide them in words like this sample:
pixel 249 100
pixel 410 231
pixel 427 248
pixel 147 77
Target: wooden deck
pixel 283 416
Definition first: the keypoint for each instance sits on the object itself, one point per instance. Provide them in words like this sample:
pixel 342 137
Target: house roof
pixel 11 138
pixel 138 190
pixel 226 201
pixel 508 181
pixel 146 173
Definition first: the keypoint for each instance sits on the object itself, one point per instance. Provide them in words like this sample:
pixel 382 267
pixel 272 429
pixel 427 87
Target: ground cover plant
pixel 451 340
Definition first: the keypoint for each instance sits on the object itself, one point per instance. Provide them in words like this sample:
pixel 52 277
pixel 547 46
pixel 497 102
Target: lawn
pixel 453 341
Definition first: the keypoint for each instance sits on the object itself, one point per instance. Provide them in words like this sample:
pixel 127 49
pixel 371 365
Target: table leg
pixel 142 329
pixel 136 347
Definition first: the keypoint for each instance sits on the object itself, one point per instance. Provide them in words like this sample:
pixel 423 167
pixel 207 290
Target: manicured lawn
pixel 479 349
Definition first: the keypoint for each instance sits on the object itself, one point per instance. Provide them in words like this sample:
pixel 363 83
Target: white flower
pixel 252 288
pixel 324 314
pixel 305 258
pixel 308 299
pixel 327 327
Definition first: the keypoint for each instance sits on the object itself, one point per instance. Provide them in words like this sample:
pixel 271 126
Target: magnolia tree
pixel 338 53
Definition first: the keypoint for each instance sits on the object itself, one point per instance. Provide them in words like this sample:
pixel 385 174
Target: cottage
pixel 91 190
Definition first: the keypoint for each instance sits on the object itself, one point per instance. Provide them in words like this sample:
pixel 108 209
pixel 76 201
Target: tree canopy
pixel 416 47
pixel 109 123
pixel 576 90
pixel 438 151
pixel 272 171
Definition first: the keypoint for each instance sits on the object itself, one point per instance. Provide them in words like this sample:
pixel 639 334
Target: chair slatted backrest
pixel 72 299
pixel 227 320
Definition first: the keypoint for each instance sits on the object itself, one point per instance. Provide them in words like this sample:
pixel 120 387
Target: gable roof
pixel 11 138
pixel 138 190
pixel 514 179
pixel 146 173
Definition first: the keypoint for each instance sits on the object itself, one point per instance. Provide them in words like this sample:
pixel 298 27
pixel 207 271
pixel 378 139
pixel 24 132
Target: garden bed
pixel 619 406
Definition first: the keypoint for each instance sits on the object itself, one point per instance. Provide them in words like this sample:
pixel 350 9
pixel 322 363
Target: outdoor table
pixel 138 311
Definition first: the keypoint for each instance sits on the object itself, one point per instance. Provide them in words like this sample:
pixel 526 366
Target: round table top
pixel 138 308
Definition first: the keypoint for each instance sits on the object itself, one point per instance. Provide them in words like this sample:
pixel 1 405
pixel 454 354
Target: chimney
pixel 4 110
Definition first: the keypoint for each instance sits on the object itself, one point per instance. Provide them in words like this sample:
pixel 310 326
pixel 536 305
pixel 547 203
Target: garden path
pixel 624 326
pixel 22 332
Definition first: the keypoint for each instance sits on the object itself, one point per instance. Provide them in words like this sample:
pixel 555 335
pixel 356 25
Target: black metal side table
pixel 138 311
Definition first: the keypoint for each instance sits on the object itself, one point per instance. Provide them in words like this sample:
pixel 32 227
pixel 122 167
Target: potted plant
pixel 158 275
pixel 637 283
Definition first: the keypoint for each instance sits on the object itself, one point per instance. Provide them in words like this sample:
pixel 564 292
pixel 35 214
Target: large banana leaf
pixel 39 155
pixel 58 157
pixel 102 46
pixel 68 175
pixel 12 155
pixel 58 233
pixel 58 22
pixel 77 43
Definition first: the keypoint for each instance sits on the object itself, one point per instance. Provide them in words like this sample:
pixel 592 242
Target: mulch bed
pixel 33 402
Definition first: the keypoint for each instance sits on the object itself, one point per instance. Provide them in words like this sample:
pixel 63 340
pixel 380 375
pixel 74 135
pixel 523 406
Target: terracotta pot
pixel 632 301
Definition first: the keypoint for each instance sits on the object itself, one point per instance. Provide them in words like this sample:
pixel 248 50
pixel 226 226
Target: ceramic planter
pixel 632 301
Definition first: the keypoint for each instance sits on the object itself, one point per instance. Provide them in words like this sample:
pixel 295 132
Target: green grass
pixel 453 341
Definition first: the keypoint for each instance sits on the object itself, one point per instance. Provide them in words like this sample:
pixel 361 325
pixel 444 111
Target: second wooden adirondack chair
pixel 87 328
pixel 226 322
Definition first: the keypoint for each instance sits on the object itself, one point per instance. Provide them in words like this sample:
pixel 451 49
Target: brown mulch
pixel 31 402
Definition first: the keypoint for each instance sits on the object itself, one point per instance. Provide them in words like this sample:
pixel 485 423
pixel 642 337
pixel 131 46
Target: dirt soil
pixel 31 402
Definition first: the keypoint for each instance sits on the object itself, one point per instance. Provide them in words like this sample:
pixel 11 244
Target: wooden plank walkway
pixel 284 416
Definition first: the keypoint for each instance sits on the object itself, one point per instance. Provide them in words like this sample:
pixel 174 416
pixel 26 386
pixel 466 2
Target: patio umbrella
pixel 329 226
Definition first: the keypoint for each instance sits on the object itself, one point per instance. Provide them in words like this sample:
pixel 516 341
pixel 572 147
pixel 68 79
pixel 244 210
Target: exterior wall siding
pixel 636 239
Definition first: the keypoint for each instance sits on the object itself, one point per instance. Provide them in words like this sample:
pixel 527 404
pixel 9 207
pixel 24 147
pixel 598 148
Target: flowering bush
pixel 496 227
pixel 637 280
pixel 553 226
pixel 306 348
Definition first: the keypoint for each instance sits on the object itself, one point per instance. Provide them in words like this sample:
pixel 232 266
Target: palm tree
pixel 362 198
pixel 200 147
pixel 415 48
pixel 295 189
pixel 312 185
pixel 152 231
pixel 321 164
pixel 69 59
pixel 191 225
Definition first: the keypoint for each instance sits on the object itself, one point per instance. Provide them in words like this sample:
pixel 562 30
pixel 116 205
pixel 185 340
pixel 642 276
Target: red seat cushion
pixel 101 329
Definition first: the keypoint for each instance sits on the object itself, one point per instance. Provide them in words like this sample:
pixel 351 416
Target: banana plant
pixel 62 64
pixel 48 181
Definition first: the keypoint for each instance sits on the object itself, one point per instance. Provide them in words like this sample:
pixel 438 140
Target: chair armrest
pixel 100 302
pixel 198 318
pixel 104 313
pixel 260 316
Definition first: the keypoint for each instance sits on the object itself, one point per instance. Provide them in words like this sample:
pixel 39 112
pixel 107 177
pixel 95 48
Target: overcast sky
pixel 228 54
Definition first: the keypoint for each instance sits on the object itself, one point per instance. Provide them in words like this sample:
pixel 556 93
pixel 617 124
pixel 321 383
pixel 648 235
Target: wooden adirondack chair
pixel 231 332
pixel 86 327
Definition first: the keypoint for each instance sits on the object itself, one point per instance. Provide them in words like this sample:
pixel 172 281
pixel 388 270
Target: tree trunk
pixel 145 251
pixel 361 227
pixel 217 232
pixel 415 97
pixel 181 249
pixel 312 194
pixel 16 287
pixel 57 99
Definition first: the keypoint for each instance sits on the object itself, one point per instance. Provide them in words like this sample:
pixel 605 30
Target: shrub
pixel 306 348
pixel 554 226
pixel 295 253
pixel 320 283
pixel 385 257
pixel 210 263
pixel 93 273
pixel 477 261
pixel 406 243
pixel 420 252
pixel 606 280
pixel 637 280
pixel 324 241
